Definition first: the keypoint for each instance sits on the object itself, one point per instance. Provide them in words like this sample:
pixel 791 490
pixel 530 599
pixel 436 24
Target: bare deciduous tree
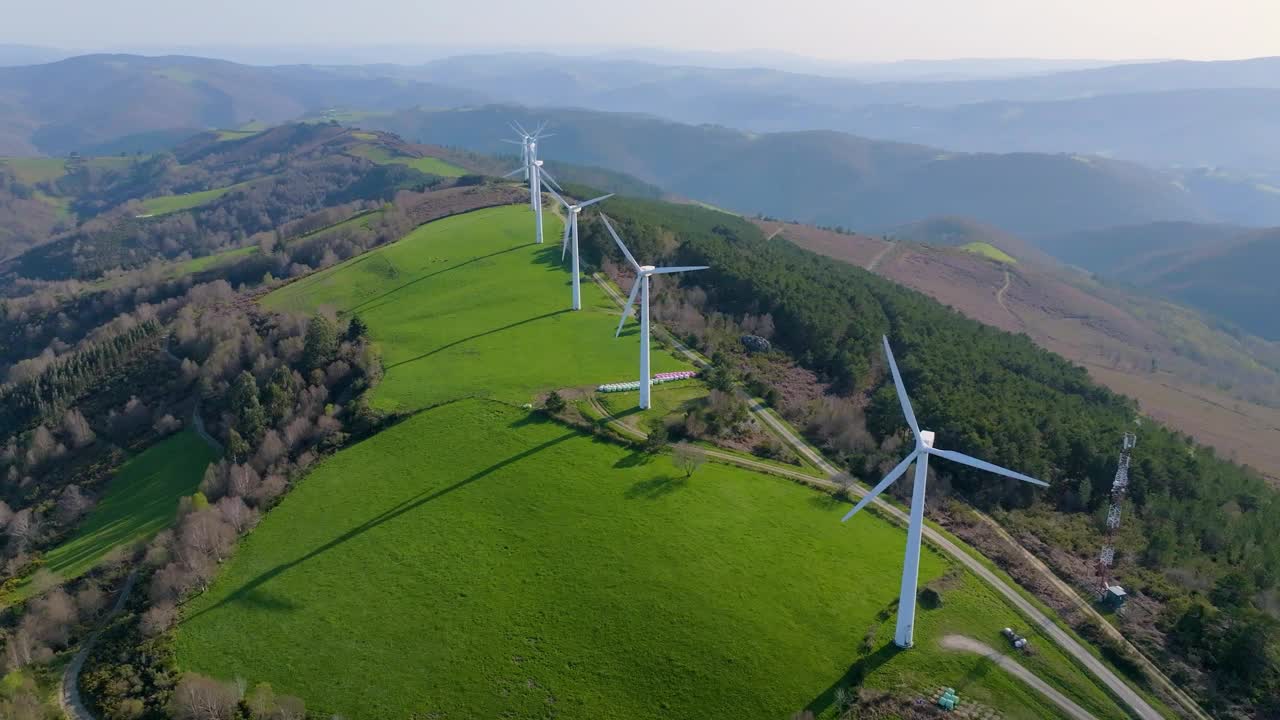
pixel 158 618
pixel 72 504
pixel 200 698
pixel 206 533
pixel 76 428
pixel 688 458
pixel 239 516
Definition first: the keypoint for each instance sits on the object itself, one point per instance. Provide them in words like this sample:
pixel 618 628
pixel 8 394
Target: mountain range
pixel 1167 113
pixel 832 178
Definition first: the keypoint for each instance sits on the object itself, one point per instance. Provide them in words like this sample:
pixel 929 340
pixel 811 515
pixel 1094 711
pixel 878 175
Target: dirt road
pixel 69 696
pixel 1011 666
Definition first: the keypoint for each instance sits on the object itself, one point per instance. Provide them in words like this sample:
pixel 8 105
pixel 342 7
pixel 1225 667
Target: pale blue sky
pixel 836 29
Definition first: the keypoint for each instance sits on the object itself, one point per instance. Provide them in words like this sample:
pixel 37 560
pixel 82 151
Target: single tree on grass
pixel 555 404
pixel 689 458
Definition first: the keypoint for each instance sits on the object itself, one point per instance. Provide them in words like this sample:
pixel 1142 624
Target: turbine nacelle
pixel 925 439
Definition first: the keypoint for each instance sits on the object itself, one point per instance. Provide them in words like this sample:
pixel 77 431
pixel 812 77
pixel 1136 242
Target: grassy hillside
pixel 989 251
pixel 139 502
pixel 175 203
pixel 508 565
pixel 449 302
pixel 429 165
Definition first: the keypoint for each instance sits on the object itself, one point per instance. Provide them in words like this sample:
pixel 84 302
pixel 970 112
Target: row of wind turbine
pixel 535 173
pixel 924 439
pixel 532 170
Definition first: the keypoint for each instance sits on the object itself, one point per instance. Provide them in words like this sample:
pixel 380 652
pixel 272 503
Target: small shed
pixel 1114 596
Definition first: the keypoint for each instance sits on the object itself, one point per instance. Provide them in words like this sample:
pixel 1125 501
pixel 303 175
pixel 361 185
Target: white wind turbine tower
pixel 571 238
pixel 531 169
pixel 643 273
pixel 920 455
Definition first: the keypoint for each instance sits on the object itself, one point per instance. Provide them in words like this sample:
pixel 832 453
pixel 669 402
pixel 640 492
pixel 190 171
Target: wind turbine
pixel 643 273
pixel 530 168
pixel 571 229
pixel 920 456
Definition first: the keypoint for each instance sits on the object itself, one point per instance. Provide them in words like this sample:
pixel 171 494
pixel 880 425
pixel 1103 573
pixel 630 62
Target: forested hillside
pixel 997 395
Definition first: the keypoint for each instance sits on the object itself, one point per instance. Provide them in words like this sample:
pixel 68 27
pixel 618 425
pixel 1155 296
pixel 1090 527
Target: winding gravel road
pixel 69 697
pixel 1011 666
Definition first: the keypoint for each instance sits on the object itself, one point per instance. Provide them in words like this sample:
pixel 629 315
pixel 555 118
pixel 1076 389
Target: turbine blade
pixel 508 140
pixel 520 129
pixel 687 268
pixel 984 465
pixel 888 480
pixel 631 300
pixel 564 241
pixel 618 240
pixel 556 195
pixel 514 172
pixel 599 199
pixel 902 391
pixel 544 137
pixel 548 176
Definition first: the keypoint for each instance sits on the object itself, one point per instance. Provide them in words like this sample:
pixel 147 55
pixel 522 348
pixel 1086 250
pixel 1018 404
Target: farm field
pixel 36 170
pixel 990 251
pixel 470 306
pixel 176 203
pixel 508 566
pixel 140 500
pixel 430 165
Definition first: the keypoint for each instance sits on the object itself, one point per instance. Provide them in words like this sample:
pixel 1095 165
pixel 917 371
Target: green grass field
pixel 988 250
pixel 176 203
pixel 476 562
pixel 669 401
pixel 139 501
pixel 34 170
pixel 430 165
pixel 469 305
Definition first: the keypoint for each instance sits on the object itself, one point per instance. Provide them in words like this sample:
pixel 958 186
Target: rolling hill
pixel 831 178
pixel 560 571
pixel 1224 270
pixel 86 101
pixel 1162 113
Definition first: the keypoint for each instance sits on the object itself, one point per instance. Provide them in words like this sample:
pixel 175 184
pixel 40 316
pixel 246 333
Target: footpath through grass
pixel 470 306
pixel 474 561
pixel 140 500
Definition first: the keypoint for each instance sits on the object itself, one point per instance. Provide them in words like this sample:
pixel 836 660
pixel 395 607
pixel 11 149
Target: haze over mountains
pixel 1059 153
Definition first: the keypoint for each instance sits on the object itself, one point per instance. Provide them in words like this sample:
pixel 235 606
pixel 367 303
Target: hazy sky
pixel 838 29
